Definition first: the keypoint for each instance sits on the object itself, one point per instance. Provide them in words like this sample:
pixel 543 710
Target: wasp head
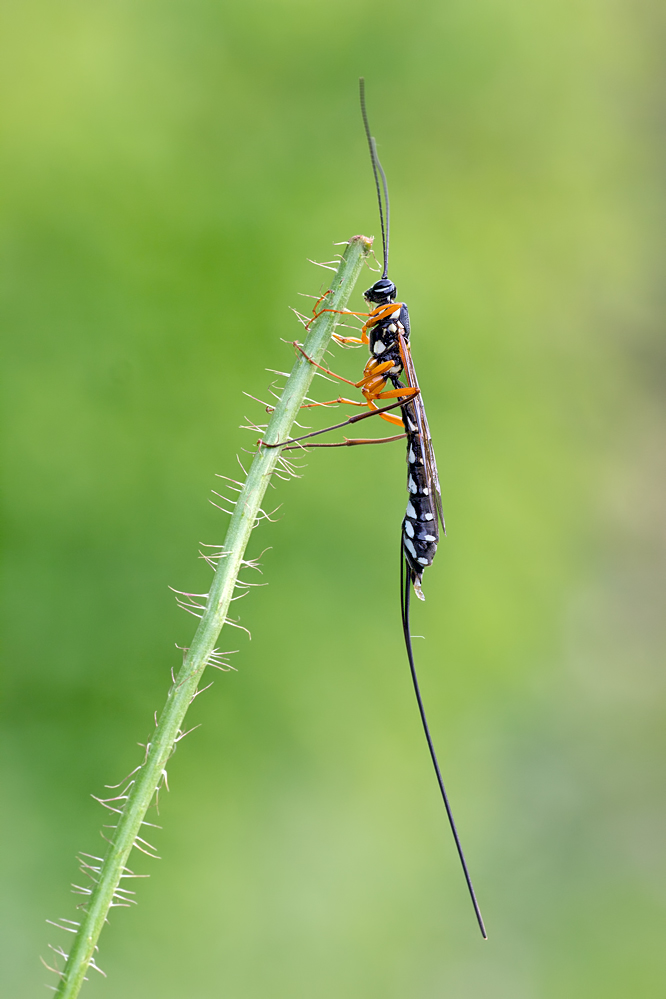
pixel 381 293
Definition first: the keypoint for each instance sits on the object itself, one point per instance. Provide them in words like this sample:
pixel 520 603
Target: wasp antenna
pixel 377 170
pixel 407 577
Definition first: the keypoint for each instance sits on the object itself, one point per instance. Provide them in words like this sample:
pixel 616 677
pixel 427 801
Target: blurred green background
pixel 167 168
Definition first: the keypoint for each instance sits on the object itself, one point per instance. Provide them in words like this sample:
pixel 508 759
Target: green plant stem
pixel 149 777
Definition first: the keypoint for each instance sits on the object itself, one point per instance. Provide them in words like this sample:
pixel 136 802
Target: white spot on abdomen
pixel 427 516
pixel 411 484
pixel 411 512
pixel 411 455
pixel 410 547
pixel 423 561
pixel 429 537
pixel 379 347
pixel 409 529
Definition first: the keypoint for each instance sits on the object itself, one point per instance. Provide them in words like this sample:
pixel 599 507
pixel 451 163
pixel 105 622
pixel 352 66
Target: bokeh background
pixel 167 168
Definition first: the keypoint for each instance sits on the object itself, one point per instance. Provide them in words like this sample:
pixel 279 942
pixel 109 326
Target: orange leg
pixel 406 393
pixel 374 317
pixel 374 411
pixel 372 381
pixel 410 393
pixel 376 369
pixel 340 312
pixel 389 417
pixel 373 369
pixel 395 420
pixel 321 367
pixel 318 303
pixel 398 393
pixel 342 340
pixel 334 402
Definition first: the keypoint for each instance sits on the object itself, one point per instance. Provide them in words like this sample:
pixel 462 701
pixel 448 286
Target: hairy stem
pixel 140 791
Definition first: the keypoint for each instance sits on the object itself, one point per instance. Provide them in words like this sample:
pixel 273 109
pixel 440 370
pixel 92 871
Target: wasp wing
pixel 423 428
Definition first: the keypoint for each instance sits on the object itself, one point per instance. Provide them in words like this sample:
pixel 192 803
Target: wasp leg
pixel 373 372
pixel 376 316
pixel 408 390
pixel 347 442
pixel 334 402
pixel 321 367
pixel 364 338
pixel 339 312
pixel 340 401
pixel 338 426
pixel 318 303
pixel 392 394
pixel 342 340
pixel 370 375
pixel 395 420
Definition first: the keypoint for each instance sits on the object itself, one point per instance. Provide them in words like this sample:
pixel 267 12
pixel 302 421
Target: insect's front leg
pixel 376 316
pixel 340 312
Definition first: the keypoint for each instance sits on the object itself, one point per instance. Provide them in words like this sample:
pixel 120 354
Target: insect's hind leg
pixel 400 393
pixel 347 442
pixel 345 423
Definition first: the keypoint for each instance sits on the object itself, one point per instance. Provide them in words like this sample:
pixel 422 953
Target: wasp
pixel 386 332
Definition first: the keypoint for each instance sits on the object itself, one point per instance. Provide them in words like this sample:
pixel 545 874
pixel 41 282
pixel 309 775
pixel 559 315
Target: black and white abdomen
pixel 420 530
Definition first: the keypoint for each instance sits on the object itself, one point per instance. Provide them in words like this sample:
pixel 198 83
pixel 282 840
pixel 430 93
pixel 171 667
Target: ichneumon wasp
pixel 386 332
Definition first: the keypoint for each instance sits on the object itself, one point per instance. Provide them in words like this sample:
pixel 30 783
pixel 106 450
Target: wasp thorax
pixel 381 293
